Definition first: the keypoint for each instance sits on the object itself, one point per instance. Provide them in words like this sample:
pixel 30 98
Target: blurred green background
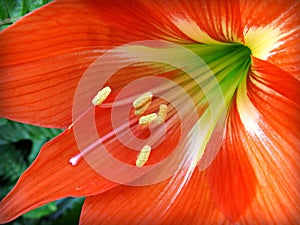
pixel 20 143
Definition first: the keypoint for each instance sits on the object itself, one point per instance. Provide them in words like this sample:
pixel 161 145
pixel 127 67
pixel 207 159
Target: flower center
pixel 263 40
pixel 229 64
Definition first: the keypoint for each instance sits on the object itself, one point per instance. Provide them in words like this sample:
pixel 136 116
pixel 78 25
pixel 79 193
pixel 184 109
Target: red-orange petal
pixel 282 15
pixel 152 205
pixel 220 19
pixel 44 55
pixel 268 146
pixel 274 86
pixel 42 58
pixel 231 176
pixel 52 177
pixel 202 21
pixel 276 95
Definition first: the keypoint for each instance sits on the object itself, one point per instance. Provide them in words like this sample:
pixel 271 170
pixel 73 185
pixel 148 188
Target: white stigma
pixel 74 160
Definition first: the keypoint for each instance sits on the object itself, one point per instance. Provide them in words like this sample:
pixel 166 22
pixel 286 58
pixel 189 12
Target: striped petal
pixel 154 205
pixel 274 145
pixel 273 33
pixel 54 174
pixel 231 176
pixel 44 55
pixel 209 22
pixel 254 178
pixel 52 177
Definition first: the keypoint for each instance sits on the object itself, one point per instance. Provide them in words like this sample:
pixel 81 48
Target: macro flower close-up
pixel 173 112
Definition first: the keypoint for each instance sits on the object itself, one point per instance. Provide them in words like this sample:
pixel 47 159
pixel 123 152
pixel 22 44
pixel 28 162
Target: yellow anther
pixel 139 111
pixel 162 113
pixel 143 156
pixel 142 100
pixel 145 120
pixel 101 96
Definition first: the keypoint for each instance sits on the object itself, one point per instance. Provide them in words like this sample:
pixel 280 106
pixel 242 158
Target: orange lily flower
pixel 252 49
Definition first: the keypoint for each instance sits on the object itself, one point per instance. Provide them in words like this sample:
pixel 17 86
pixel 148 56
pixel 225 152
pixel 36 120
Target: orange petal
pixel 44 55
pixel 230 176
pixel 42 58
pixel 52 177
pixel 40 70
pixel 276 95
pixel 203 21
pixel 266 124
pixel 155 204
pixel 220 19
pixel 281 16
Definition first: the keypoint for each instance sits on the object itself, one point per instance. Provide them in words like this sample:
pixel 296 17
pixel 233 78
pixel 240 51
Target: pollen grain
pixel 101 96
pixel 162 113
pixel 146 120
pixel 142 100
pixel 139 111
pixel 143 156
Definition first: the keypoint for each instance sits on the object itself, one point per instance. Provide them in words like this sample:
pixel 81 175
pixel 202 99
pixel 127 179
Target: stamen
pixel 162 113
pixel 101 96
pixel 146 120
pixel 143 156
pixel 142 100
pixel 139 111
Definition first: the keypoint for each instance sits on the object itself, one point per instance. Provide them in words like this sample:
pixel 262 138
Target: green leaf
pixel 12 163
pixel 13 132
pixel 5 188
pixel 42 211
pixel 24 7
pixel 12 10
pixel 70 214
pixel 3 121
pixel 35 149
pixel 3 11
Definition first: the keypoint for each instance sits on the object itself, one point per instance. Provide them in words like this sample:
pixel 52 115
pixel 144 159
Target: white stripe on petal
pixel 248 112
pixel 191 29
